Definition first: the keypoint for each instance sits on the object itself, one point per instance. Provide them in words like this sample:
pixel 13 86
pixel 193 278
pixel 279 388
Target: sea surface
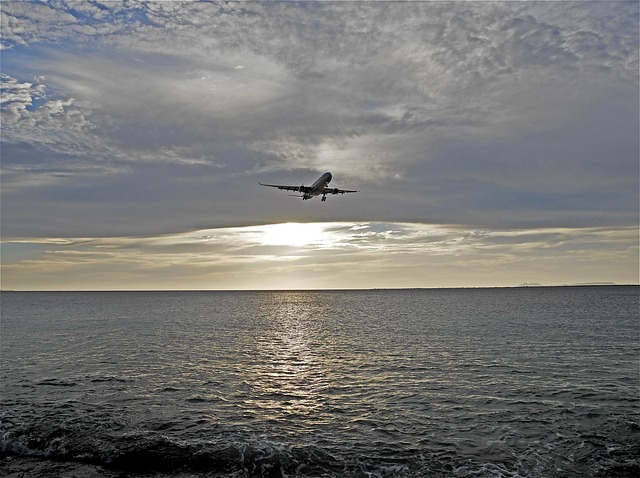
pixel 514 382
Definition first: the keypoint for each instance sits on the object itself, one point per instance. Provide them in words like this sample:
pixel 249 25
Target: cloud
pixel 323 255
pixel 18 97
pixel 141 118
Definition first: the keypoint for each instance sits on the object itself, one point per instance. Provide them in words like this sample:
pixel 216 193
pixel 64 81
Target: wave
pixel 110 379
pixel 54 382
pixel 147 452
pixel 151 452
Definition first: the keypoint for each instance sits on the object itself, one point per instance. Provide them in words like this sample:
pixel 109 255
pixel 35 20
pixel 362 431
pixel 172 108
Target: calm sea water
pixel 532 382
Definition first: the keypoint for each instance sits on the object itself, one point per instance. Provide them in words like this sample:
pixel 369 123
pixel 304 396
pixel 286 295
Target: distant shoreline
pixel 521 286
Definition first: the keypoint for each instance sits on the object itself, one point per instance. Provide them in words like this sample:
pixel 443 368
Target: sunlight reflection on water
pixel 287 375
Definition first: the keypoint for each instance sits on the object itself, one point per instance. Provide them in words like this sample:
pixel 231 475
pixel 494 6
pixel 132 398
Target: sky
pixel 493 144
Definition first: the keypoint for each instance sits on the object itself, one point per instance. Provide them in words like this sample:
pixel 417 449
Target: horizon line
pixel 346 289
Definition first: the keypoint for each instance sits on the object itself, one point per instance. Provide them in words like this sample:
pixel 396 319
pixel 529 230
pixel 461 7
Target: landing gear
pixel 324 197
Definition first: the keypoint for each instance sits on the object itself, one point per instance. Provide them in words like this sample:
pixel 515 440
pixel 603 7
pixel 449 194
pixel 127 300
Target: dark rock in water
pixel 223 460
pixel 23 466
pixel 146 453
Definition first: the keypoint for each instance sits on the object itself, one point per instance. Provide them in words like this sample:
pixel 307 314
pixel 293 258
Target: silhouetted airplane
pixel 316 189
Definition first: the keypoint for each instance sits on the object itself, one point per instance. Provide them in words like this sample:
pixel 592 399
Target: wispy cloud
pixel 323 255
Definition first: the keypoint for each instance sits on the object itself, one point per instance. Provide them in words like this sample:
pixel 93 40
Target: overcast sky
pixel 493 143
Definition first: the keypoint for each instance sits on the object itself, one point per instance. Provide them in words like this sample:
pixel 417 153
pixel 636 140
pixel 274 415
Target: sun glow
pixel 296 234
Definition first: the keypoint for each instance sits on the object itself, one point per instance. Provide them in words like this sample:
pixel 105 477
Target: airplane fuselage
pixel 317 188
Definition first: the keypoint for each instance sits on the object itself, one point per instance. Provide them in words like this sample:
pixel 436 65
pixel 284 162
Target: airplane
pixel 316 189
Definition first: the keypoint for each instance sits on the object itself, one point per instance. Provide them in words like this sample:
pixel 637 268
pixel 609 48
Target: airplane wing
pixel 300 189
pixel 337 191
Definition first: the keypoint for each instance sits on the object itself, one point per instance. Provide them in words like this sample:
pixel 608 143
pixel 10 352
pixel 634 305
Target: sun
pixel 293 234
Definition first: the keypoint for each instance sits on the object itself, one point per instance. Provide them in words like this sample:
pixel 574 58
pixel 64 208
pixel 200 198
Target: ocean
pixel 505 382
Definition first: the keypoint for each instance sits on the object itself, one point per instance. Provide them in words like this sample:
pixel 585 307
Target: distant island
pixel 596 283
pixel 535 284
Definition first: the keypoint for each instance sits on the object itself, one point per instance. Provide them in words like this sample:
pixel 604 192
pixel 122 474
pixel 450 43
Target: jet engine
pixel 335 191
